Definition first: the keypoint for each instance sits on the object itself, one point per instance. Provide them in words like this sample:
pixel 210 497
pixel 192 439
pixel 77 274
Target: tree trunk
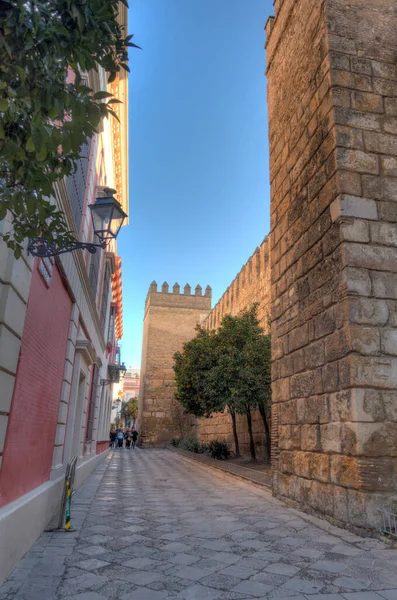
pixel 262 410
pixel 252 445
pixel 236 444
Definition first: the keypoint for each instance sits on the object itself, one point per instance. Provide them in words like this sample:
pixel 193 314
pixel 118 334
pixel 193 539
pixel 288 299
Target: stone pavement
pixel 152 525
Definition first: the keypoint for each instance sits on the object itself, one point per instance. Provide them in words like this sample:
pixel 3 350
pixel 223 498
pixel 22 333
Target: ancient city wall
pixel 332 93
pixel 170 320
pixel 251 285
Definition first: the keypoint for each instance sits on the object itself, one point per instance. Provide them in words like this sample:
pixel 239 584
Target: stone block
pixel 390 125
pixel 360 120
pixel 350 183
pixel 296 435
pixel 344 471
pixel 285 462
pixel 376 439
pixel 285 437
pixel 314 355
pixel 7 383
pixel 372 187
pixel 387 211
pixel 320 498
pixel 313 410
pixel 358 281
pixel 12 309
pixel 384 233
pixel 380 143
pixel 367 102
pixel 389 165
pixel 389 188
pixel 324 323
pixel 340 504
pixel 354 230
pixel 365 340
pixel 338 344
pixel 310 438
pixel 287 413
pixel 384 70
pixel 339 406
pixel 357 160
pixel 298 337
pixel 303 385
pixel 319 466
pixel 330 376
pixel 380 258
pixel 331 438
pixel 368 311
pixel 367 405
pixel 389 399
pixel 389 341
pixel 301 464
pixel 385 284
pixel 353 206
pixel 281 390
pixel 361 65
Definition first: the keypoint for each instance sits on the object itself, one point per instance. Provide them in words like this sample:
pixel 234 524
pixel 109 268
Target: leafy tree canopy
pixel 230 367
pixel 45 116
pixel 193 375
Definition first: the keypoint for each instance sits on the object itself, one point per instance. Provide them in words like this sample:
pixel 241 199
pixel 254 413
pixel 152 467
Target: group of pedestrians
pixel 117 437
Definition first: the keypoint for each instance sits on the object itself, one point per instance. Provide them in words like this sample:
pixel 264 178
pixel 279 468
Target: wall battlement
pixel 177 299
pixel 251 285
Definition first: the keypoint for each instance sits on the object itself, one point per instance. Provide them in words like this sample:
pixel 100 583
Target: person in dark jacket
pixel 134 437
pixel 112 438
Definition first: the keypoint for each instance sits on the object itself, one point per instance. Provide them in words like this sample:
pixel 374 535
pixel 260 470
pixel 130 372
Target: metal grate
pixel 389 523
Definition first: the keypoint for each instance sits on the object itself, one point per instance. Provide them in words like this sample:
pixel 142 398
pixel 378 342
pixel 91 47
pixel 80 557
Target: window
pixel 105 297
pixel 112 317
pixel 76 185
pixel 94 268
pixel 91 408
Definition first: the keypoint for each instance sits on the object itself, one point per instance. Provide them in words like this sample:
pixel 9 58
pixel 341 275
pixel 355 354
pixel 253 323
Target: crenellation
pixel 198 290
pixel 164 288
pixel 176 288
pixel 187 290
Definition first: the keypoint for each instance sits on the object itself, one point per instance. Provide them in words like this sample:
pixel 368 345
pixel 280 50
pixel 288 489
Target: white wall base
pixel 22 521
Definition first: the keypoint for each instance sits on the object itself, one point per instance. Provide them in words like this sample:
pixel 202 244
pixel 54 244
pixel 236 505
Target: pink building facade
pixel 60 321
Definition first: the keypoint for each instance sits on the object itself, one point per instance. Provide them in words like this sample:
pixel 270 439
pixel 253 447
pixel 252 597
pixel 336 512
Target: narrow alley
pixel 151 525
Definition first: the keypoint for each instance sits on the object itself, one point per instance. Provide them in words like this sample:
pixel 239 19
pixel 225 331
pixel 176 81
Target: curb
pixel 234 470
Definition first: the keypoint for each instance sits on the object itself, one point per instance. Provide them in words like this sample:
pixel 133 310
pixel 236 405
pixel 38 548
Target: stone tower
pixel 170 320
pixel 332 75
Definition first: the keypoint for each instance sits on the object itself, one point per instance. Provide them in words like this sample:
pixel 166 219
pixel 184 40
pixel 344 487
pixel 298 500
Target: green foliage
pixel 191 444
pixel 175 442
pixel 228 368
pixel 218 449
pixel 129 409
pixel 193 375
pixel 45 118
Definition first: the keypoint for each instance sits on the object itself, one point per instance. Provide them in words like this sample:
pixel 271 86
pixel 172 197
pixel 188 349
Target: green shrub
pixel 191 444
pixel 218 449
pixel 175 442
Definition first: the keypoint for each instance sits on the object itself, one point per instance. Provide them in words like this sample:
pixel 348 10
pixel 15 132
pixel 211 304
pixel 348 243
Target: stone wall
pixel 332 92
pixel 251 285
pixel 169 322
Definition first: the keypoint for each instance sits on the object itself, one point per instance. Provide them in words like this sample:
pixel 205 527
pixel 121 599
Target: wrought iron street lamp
pixel 117 372
pixel 107 219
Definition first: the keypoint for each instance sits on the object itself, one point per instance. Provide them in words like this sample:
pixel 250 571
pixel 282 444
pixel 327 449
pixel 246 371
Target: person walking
pixel 134 437
pixel 120 438
pixel 112 438
pixel 128 439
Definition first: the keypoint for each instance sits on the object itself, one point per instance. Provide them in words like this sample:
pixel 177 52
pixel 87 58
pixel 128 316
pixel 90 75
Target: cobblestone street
pixel 152 525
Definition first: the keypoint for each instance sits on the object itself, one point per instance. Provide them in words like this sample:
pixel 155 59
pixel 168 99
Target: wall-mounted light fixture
pixel 107 219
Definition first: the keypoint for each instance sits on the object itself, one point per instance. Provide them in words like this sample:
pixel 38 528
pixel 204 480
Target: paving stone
pixel 329 566
pixel 254 589
pixel 282 569
pixel 362 596
pixel 305 586
pixel 184 559
pixel 142 593
pixel 194 535
pixel 192 572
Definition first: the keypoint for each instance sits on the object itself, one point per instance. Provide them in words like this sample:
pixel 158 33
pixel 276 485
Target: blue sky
pixel 198 153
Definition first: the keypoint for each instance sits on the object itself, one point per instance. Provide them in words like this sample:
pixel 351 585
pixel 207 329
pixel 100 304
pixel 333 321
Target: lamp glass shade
pixel 107 218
